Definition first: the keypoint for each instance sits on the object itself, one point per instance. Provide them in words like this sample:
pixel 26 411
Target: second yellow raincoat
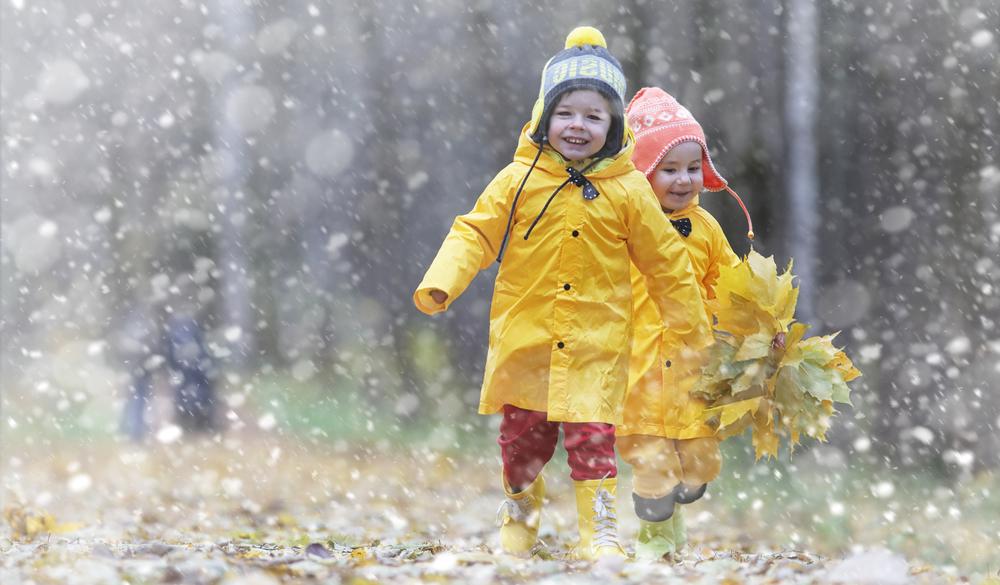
pixel 560 320
pixel 658 402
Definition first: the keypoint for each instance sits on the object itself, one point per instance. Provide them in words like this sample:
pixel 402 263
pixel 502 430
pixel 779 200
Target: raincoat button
pixel 668 363
pixel 560 345
pixel 566 286
pixel 576 234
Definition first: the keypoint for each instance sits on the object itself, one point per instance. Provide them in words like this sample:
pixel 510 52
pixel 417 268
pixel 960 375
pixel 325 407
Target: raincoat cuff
pixel 423 300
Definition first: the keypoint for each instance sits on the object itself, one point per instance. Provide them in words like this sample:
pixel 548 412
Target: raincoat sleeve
pixel 721 255
pixel 658 252
pixel 471 245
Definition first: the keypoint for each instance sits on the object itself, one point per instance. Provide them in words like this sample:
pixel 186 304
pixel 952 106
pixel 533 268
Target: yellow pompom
pixel 585 35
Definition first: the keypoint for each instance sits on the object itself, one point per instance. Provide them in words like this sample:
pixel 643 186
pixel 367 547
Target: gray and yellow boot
pixel 596 519
pixel 656 540
pixel 680 530
pixel 684 494
pixel 657 536
pixel 519 517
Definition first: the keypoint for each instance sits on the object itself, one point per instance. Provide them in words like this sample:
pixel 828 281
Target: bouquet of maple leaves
pixel 760 373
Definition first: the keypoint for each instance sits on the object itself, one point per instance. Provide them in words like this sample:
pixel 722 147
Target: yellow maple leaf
pixel 764 276
pixel 795 382
pixel 765 442
pixel 793 438
pixel 27 524
pixel 787 298
pixel 845 366
pixel 740 316
pixel 775 293
pixel 754 346
pixel 732 279
pixel 752 297
pixel 795 334
pixel 734 411
pixel 765 414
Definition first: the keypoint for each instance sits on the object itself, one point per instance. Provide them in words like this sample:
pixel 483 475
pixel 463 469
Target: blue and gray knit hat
pixel 584 63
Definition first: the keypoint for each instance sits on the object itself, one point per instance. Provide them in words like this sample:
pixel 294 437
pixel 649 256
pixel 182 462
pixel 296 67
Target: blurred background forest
pixel 285 170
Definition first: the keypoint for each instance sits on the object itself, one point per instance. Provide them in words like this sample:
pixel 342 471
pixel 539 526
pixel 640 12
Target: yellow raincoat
pixel 658 402
pixel 560 321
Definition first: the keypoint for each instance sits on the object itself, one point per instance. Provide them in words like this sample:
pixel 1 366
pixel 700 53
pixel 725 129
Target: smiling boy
pixel 565 220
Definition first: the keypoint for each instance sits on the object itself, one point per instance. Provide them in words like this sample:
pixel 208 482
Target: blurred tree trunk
pixel 762 176
pixel 233 243
pixel 802 186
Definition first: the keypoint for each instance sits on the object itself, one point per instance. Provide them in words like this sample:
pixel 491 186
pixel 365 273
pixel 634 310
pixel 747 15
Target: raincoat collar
pixel 529 153
pixel 687 210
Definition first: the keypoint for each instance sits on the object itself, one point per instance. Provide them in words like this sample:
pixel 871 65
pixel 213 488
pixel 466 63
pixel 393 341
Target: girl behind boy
pixel 673 453
pixel 566 219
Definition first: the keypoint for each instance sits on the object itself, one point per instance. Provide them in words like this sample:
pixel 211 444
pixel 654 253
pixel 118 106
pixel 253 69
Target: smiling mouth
pixel 575 140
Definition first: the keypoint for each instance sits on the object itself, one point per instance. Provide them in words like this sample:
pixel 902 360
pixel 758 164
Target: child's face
pixel 579 124
pixel 678 178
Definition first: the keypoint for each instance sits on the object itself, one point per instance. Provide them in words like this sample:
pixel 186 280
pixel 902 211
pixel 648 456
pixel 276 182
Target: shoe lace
pixel 516 510
pixel 605 521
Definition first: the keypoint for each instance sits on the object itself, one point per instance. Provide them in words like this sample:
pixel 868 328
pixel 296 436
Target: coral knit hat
pixel 660 123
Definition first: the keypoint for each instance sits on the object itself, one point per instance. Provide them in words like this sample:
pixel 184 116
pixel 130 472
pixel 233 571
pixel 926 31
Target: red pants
pixel 527 442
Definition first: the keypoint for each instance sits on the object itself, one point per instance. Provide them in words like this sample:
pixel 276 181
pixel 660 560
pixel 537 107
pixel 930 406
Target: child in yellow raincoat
pixel 673 453
pixel 566 220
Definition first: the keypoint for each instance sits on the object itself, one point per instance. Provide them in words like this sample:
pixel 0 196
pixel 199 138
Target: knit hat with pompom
pixel 660 123
pixel 584 63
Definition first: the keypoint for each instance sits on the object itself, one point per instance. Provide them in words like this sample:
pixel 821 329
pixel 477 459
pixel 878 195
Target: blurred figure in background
pixel 168 340
pixel 192 372
pixel 135 343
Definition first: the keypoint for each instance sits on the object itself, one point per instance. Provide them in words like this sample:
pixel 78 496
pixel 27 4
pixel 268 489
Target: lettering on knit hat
pixel 584 67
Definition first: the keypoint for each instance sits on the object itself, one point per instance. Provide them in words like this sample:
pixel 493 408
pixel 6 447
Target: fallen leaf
pixel 26 524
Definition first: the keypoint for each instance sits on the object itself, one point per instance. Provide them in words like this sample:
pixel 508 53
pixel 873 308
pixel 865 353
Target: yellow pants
pixel 659 464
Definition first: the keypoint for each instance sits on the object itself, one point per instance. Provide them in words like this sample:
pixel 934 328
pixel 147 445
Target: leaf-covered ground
pixel 245 510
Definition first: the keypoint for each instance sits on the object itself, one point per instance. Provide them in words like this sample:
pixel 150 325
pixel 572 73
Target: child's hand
pixel 778 342
pixel 440 296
